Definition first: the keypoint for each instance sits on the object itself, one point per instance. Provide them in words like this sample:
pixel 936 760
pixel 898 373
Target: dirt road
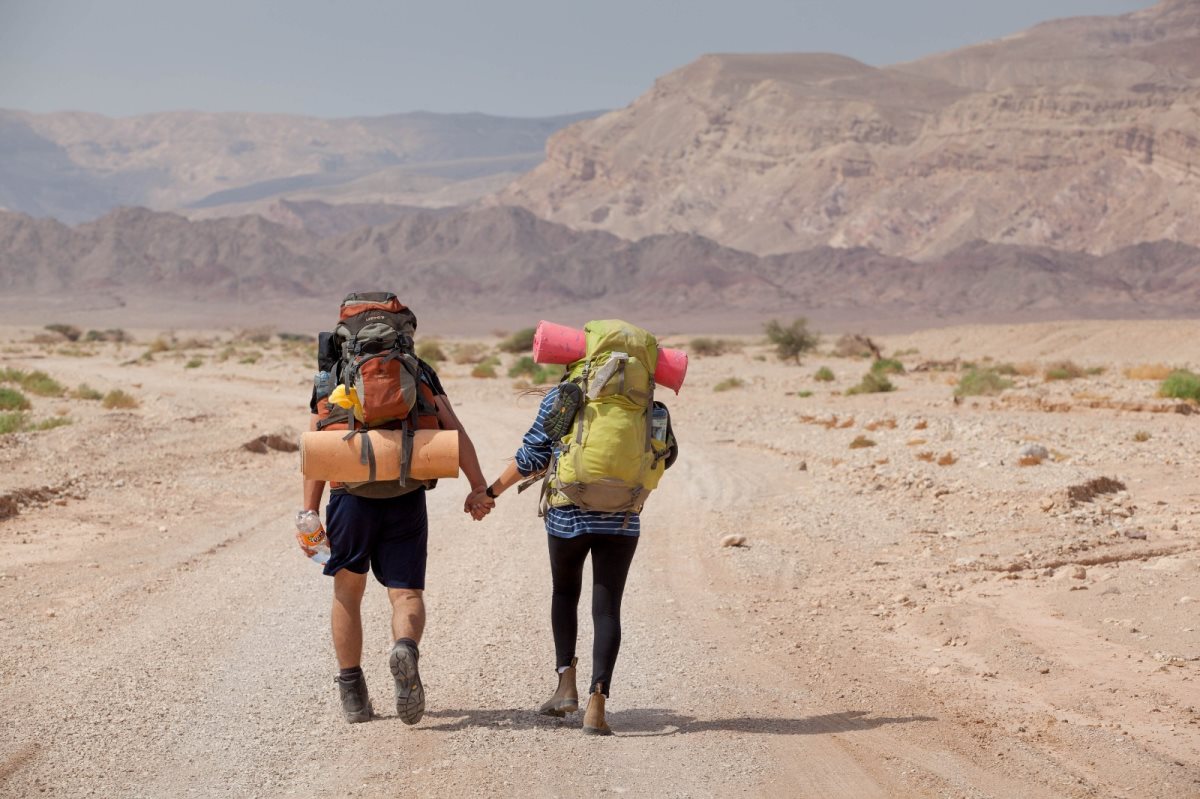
pixel 163 637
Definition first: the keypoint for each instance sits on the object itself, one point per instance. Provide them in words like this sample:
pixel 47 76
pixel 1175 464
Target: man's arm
pixel 468 460
pixel 313 489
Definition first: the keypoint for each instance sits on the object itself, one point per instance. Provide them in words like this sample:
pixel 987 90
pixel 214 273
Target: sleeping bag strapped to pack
pixel 373 361
pixel 606 458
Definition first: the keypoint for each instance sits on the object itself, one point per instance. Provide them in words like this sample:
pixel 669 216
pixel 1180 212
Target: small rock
pixel 1036 451
pixel 727 541
pixel 1079 573
pixel 1048 504
pixel 803 466
pixel 1186 600
pixel 900 599
pixel 933 671
pixel 1044 670
pixel 162 528
pixel 1139 535
pixel 51 614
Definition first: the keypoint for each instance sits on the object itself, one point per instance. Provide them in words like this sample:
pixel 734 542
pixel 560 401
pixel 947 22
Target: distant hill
pixel 1078 134
pixel 76 166
pixel 506 260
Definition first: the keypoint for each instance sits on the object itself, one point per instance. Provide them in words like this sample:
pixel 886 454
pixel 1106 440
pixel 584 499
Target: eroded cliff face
pixel 1078 134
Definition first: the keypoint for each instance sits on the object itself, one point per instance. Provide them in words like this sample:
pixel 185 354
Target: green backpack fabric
pixel 607 460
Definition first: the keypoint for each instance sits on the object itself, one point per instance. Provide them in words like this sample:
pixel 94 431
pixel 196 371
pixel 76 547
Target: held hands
pixel 478 504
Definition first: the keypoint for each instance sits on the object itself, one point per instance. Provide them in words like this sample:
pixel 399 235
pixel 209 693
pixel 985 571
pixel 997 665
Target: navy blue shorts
pixel 391 535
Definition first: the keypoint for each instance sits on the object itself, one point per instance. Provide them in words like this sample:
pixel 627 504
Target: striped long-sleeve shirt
pixel 568 522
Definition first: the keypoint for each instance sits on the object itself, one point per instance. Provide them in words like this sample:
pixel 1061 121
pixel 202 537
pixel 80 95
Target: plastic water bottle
pixel 311 531
pixel 322 384
pixel 658 424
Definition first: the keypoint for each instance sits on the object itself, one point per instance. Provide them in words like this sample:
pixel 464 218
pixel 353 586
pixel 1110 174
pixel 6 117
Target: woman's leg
pixel 566 570
pixel 611 556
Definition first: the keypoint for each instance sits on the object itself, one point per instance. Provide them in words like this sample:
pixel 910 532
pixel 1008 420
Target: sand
pixel 892 626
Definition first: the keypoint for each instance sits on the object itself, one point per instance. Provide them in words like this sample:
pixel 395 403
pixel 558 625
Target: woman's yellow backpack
pixel 609 458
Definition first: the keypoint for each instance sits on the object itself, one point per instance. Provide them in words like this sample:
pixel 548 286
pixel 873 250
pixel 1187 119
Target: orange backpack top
pixel 371 350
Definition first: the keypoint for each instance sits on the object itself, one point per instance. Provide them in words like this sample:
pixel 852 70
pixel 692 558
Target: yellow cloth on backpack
pixel 347 398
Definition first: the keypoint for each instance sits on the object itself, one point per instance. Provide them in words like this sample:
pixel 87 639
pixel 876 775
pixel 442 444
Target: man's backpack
pixel 370 351
pixel 606 457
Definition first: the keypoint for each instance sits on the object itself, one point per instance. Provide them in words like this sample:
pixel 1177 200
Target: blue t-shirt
pixel 568 522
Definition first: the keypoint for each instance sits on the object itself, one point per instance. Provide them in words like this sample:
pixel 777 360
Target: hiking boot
pixel 410 694
pixel 593 718
pixel 356 705
pixel 566 698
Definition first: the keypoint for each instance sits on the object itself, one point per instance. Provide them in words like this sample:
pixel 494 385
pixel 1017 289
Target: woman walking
pixel 603 443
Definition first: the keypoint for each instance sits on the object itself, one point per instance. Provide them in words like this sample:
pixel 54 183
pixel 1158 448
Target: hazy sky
pixel 518 57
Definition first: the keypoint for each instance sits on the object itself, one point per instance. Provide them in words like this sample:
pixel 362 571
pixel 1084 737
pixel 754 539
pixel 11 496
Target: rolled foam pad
pixel 327 455
pixel 559 344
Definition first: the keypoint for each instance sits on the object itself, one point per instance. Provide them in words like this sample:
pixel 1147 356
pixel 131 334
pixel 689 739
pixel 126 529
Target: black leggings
pixel 611 556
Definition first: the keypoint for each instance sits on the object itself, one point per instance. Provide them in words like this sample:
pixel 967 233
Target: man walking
pixel 383 527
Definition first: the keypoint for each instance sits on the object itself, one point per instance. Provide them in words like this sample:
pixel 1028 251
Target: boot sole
pixel 410 693
pixel 560 710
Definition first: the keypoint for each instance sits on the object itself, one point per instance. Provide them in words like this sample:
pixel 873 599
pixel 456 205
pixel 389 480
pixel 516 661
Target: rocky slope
pixel 78 166
pixel 506 259
pixel 1079 134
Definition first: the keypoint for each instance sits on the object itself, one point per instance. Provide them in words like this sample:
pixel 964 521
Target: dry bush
pixel 705 347
pixel 981 383
pixel 889 424
pixel 916 442
pixel 729 383
pixel 1086 492
pixel 947 459
pixel 856 346
pixel 1063 370
pixel 253 335
pixel 926 456
pixel 469 353
pixel 430 351
pixel 824 375
pixel 1030 460
pixel 70 332
pixel 861 442
pixel 1141 436
pixel 872 383
pixel 521 341
pixel 1149 371
pixel 846 425
pixel 119 400
pixel 921 425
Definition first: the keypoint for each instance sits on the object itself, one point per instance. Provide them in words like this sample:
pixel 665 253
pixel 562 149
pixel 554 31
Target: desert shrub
pixel 253 335
pixel 707 347
pixel 824 375
pixel 51 423
pixel 855 345
pixel 793 340
pixel 523 366
pixel 906 352
pixel 729 383
pixel 469 353
pixel 12 400
pixel 13 422
pixel 194 363
pixel 86 392
pixel 119 400
pixel 861 442
pixel 1181 384
pixel 41 384
pixel 804 394
pixel 521 341
pixel 70 332
pixel 887 366
pixel 872 383
pixel 430 351
pixel 1063 370
pixel 1149 371
pixel 981 383
pixel 947 459
pixel 1141 436
pixel 250 358
pixel 296 338
pixel 113 334
pixel 1095 371
pixel 484 369
pixel 1005 369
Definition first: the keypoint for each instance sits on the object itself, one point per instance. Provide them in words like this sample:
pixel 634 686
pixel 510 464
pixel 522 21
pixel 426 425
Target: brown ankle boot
pixel 593 719
pixel 566 698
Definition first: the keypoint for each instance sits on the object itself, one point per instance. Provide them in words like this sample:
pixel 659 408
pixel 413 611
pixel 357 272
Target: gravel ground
pixel 892 626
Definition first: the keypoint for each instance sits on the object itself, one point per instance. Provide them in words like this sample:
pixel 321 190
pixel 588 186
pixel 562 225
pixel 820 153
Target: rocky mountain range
pixel 506 260
pixel 77 166
pixel 1078 134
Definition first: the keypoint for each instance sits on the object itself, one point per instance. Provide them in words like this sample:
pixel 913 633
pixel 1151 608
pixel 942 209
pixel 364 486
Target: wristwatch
pixel 490 493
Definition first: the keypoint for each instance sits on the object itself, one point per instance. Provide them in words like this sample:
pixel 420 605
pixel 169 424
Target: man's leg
pixel 346 618
pixel 408 613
